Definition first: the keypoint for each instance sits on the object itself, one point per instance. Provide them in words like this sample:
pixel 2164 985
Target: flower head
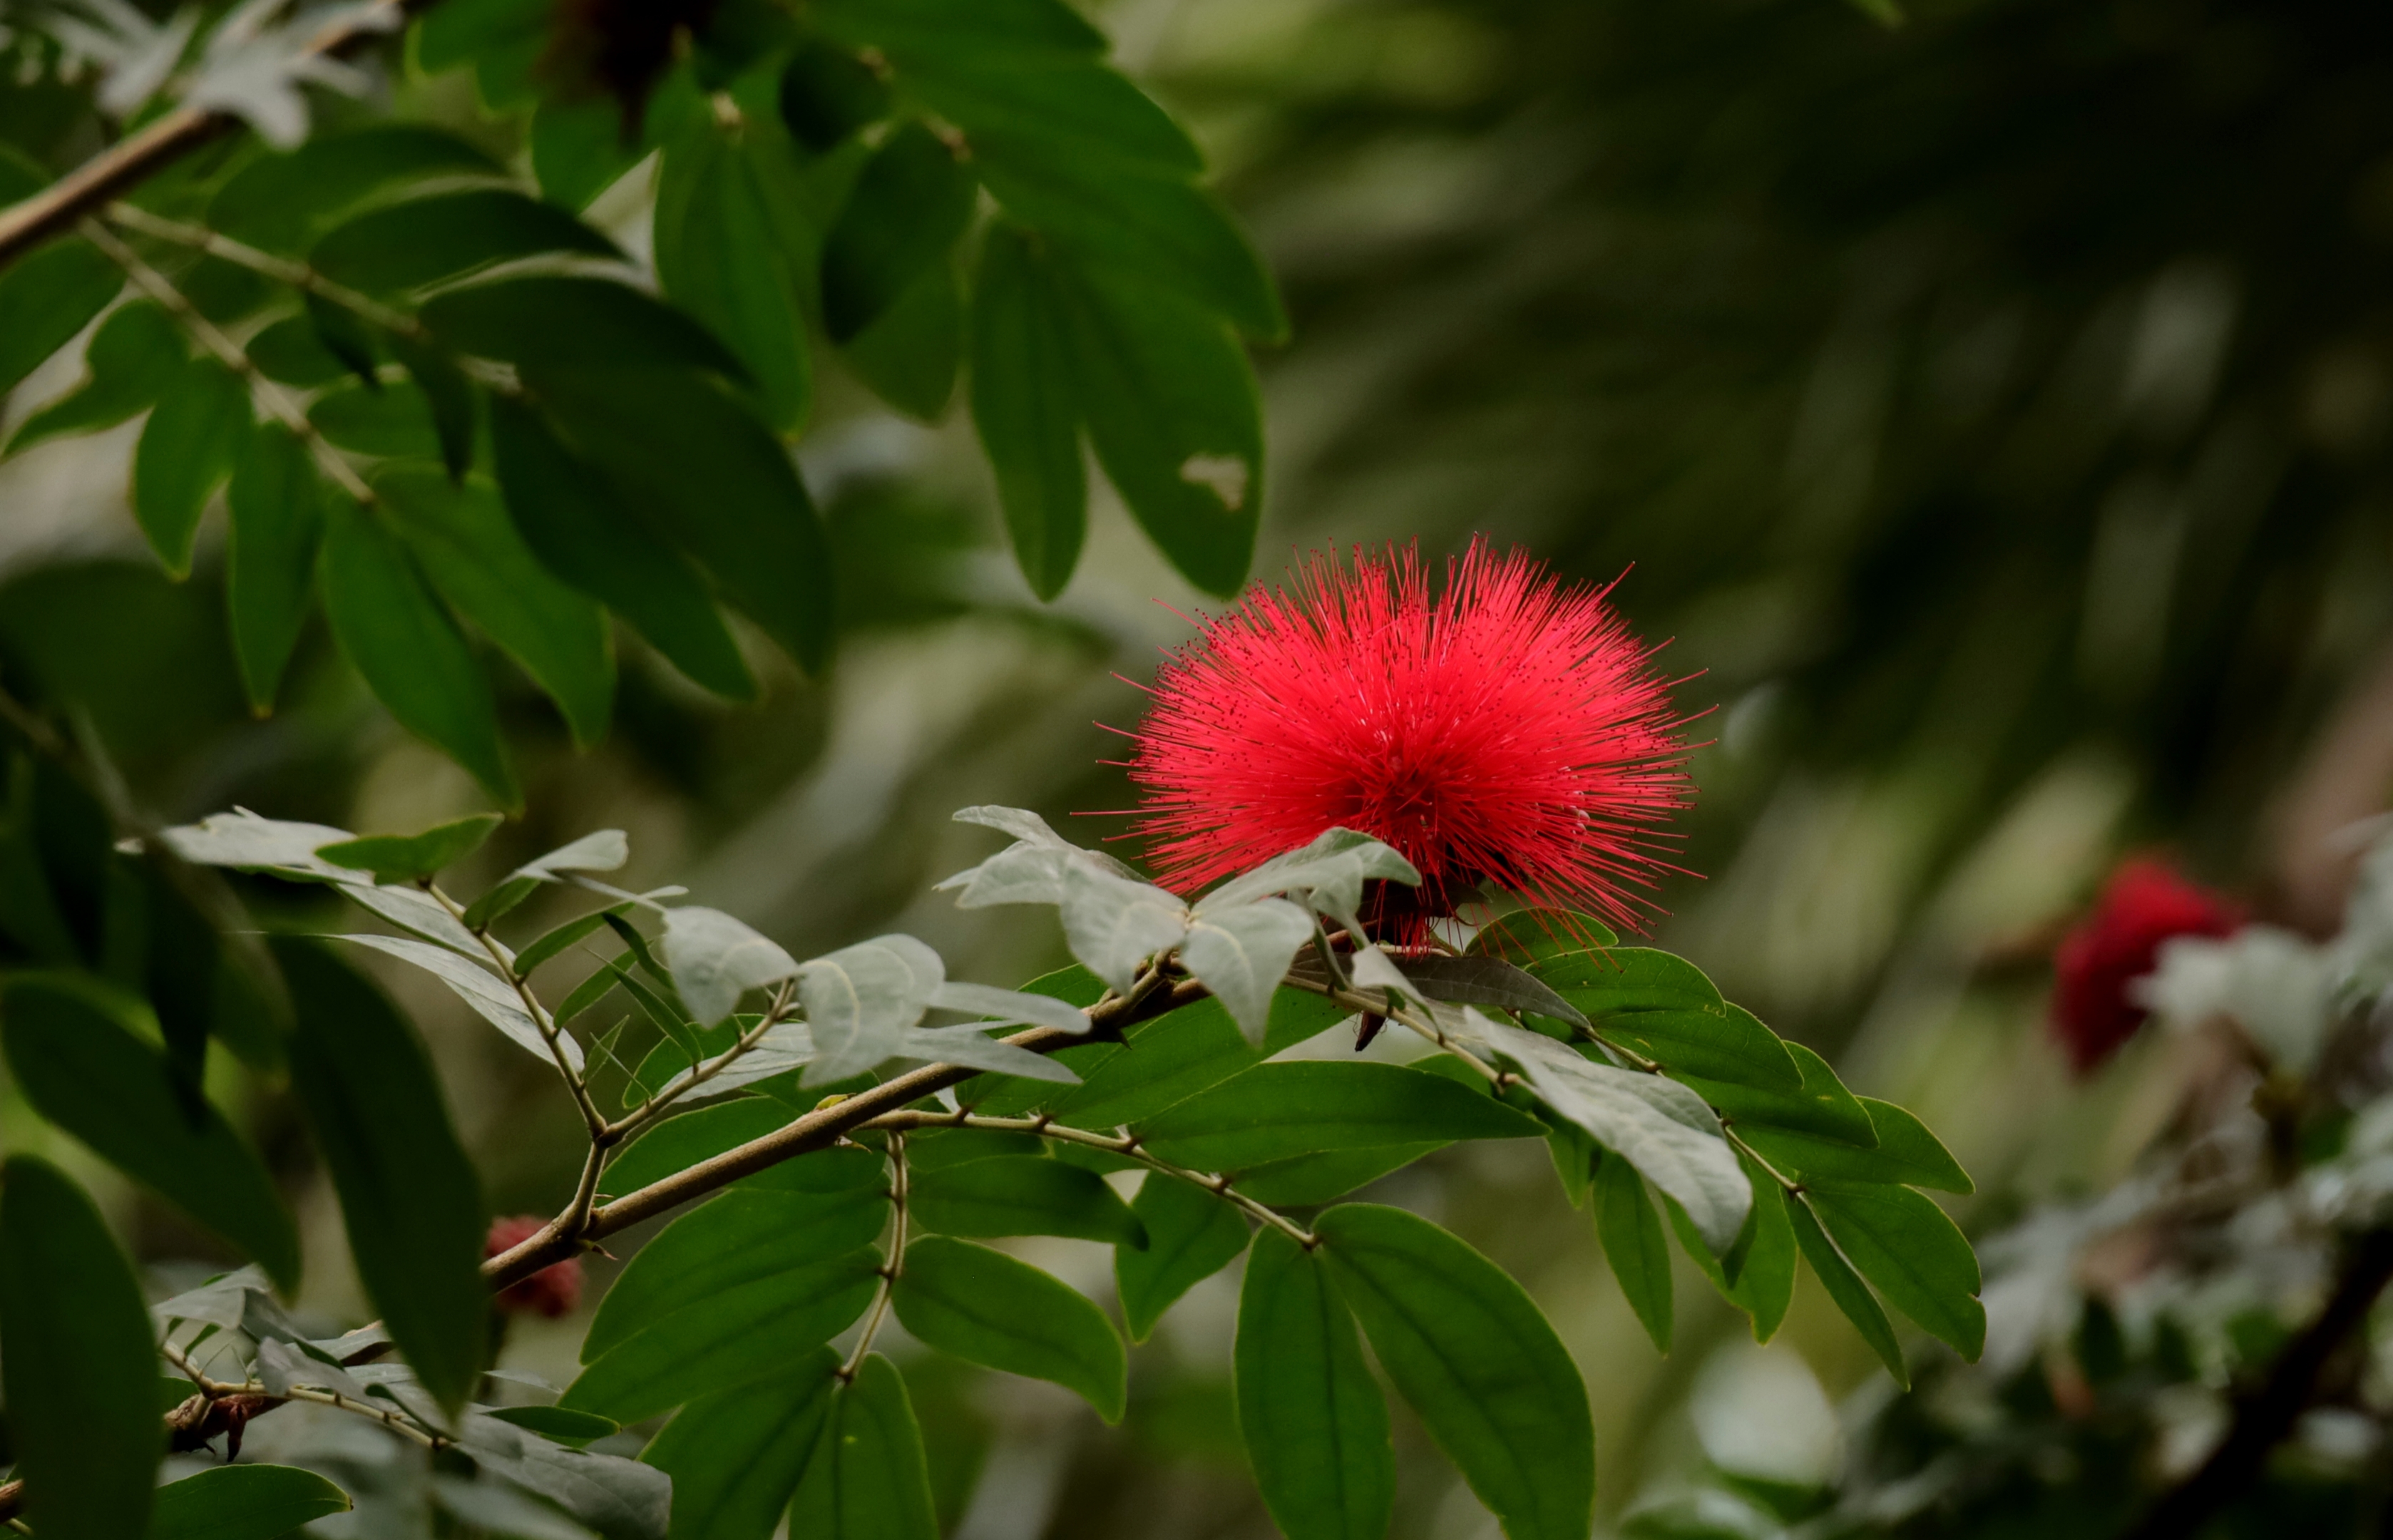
pixel 1508 730
pixel 2144 904
pixel 554 1290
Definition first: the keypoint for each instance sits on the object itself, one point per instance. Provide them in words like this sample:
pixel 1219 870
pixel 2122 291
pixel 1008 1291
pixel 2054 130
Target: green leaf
pixel 1191 1234
pixel 289 352
pixel 909 206
pixel 1315 1423
pixel 985 1308
pixel 1845 1286
pixel 580 530
pixel 136 353
pixel 1023 1195
pixel 717 257
pixel 869 1479
pixel 1489 981
pixel 1024 408
pixel 1820 1107
pixel 408 1192
pixel 47 297
pixel 559 322
pixel 1471 1354
pixel 735 1456
pixel 277 519
pixel 1302 1181
pixel 504 40
pixel 447 394
pixel 346 336
pixel 188 448
pixel 1906 1246
pixel 462 539
pixel 577 150
pixel 1165 1062
pixel 425 241
pixel 1274 1111
pixel 77 1363
pixel 1172 410
pixel 412 858
pixel 1532 936
pixel 740 1238
pixel 91 1077
pixel 397 635
pixel 281 202
pixel 389 420
pixel 1632 1234
pixel 557 1424
pixel 909 354
pixel 1153 226
pixel 711 476
pixel 1762 1258
pixel 827 94
pixel 244 1501
pixel 553 942
pixel 747 1332
pixel 1007 29
pixel 1664 1008
pixel 679 1143
pixel 1906 1153
pixel 1079 109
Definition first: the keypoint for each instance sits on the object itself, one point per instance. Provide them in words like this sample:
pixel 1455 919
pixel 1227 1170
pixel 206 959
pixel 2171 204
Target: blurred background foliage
pixel 1994 408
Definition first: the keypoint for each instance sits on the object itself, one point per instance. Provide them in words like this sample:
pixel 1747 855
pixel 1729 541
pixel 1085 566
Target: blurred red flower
pixel 554 1290
pixel 1508 730
pixel 2145 903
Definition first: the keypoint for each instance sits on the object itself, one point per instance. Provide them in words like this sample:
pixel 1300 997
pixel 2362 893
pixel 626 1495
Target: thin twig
pixel 167 138
pixel 298 275
pixel 821 1128
pixel 276 401
pixel 550 1032
pixel 892 1269
pixel 1125 1146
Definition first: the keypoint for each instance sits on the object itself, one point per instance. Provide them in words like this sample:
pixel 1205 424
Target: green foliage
pixel 244 1501
pixel 408 1195
pixel 75 1360
pixel 1477 1363
pixel 1024 1195
pixel 735 1456
pixel 1191 1234
pixel 867 1479
pixel 1631 1233
pixel 1272 1112
pixel 1314 1422
pixel 986 1308
pixel 85 1070
pixel 412 858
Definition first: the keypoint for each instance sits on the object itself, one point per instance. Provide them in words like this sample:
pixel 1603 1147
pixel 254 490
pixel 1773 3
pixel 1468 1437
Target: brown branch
pixel 140 155
pixel 2265 1415
pixel 817 1130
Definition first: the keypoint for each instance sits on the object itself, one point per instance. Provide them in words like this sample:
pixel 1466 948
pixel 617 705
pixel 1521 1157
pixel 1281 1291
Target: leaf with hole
pixel 989 1308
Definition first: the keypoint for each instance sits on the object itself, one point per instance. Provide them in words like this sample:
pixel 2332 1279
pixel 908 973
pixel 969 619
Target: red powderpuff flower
pixel 1508 731
pixel 554 1290
pixel 2144 904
